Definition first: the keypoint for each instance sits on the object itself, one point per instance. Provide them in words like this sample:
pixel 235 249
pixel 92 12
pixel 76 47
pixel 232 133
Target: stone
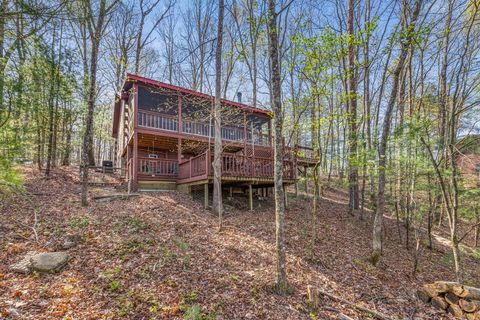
pixel 24 265
pixel 70 241
pixel 13 313
pixel 50 261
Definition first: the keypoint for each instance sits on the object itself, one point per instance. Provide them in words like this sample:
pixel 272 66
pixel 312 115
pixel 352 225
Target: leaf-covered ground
pixel 160 256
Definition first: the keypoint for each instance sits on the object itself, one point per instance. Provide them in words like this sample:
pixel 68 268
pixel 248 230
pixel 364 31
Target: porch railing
pixel 156 120
pixel 233 165
pixel 195 167
pixel 158 167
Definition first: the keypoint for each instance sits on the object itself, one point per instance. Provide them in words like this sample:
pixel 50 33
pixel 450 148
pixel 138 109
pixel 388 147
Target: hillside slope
pixel 160 256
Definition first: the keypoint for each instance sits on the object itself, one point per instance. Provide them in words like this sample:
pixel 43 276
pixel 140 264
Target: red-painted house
pixel 164 137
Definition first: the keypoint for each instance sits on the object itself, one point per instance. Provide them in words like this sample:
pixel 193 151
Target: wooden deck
pixel 199 168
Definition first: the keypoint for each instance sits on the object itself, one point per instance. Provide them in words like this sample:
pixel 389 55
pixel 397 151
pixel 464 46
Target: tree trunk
pixel 282 286
pixel 51 113
pixel 477 228
pixel 87 150
pixel 217 161
pixel 352 115
pixel 378 222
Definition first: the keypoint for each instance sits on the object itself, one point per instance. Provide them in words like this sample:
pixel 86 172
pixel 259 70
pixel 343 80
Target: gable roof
pixel 136 78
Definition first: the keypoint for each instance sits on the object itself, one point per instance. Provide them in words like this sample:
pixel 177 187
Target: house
pixel 165 135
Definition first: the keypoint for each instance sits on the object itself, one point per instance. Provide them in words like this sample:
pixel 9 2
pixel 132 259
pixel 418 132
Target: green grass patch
pixel 133 224
pixel 79 222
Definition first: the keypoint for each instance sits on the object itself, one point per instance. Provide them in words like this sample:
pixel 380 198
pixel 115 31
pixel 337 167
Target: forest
pixel 383 224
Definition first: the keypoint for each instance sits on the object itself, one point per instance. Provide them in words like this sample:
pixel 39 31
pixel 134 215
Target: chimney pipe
pixel 239 97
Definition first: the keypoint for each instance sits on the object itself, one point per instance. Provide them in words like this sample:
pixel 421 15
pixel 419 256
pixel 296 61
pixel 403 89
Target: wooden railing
pixel 233 165
pixel 195 167
pixel 158 167
pixel 204 129
pixel 157 120
pixel 197 128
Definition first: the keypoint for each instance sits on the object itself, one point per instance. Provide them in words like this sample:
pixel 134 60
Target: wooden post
pixel 245 132
pixel 285 196
pixel 135 161
pixel 270 132
pixel 190 167
pixel 129 174
pixel 250 197
pixel 135 138
pixel 179 150
pixel 205 195
pixel 231 192
pixel 180 116
pixel 306 179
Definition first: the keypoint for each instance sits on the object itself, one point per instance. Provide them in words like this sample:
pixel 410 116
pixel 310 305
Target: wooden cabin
pixel 165 136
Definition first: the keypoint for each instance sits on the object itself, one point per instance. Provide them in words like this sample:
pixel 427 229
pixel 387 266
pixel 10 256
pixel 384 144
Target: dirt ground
pixel 160 256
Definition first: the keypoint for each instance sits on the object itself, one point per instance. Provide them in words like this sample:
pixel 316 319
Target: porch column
pixel 245 132
pixel 128 173
pixel 205 195
pixel 135 160
pixel 270 132
pixel 179 150
pixel 250 197
pixel 180 120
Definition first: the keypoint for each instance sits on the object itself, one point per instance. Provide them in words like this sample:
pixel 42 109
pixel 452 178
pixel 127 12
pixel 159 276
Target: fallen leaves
pixel 160 255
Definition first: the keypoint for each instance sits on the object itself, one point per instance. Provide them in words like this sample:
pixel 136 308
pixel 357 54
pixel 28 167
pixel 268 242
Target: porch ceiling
pixel 160 142
pixel 188 145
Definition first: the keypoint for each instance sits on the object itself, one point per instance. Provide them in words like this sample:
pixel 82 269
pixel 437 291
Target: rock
pixel 51 261
pixel 13 313
pixel 24 265
pixel 70 241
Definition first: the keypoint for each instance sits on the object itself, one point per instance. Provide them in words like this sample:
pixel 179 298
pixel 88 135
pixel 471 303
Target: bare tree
pixel 217 160
pixel 120 43
pixel 95 20
pixel 198 36
pixel 282 286
pixel 405 47
pixel 145 10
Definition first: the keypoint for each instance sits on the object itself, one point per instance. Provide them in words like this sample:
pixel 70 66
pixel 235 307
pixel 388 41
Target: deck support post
pixel 285 196
pixel 306 179
pixel 205 195
pixel 135 162
pixel 231 192
pixel 250 197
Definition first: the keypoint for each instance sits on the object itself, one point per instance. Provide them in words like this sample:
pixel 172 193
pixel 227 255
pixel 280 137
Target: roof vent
pixel 239 97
